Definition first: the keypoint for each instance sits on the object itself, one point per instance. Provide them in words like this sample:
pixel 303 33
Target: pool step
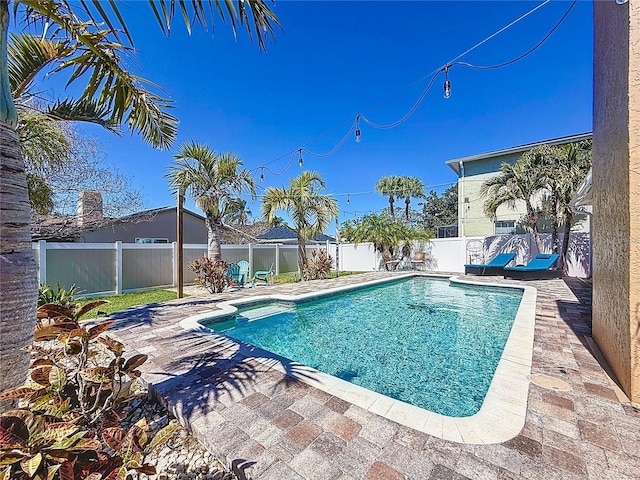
pixel 262 312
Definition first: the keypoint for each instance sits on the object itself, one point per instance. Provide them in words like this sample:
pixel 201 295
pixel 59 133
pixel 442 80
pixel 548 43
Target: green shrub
pixel 65 425
pixel 59 296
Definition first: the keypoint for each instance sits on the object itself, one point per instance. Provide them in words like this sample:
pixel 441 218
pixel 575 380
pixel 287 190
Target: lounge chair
pixel 537 269
pixel 494 267
pixel 262 275
pixel 244 272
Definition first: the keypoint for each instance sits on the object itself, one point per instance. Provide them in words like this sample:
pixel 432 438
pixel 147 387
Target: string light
pixel 262 174
pixel 433 75
pixel 348 199
pixel 447 83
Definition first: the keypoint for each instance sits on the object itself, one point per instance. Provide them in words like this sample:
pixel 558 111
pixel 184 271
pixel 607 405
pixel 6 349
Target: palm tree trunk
pixel 532 220
pixel 18 284
pixel 214 251
pixel 391 200
pixel 302 256
pixel 554 223
pixel 565 241
pixel 407 202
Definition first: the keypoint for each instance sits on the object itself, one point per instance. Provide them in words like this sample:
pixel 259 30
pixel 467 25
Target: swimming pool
pixel 427 342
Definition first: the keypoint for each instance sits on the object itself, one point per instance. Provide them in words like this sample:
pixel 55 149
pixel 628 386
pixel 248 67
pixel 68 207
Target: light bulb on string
pixel 262 174
pixel 447 83
pixel 357 135
pixel 300 161
pixel 348 199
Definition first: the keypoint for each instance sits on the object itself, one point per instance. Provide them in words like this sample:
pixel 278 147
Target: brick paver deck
pixel 270 426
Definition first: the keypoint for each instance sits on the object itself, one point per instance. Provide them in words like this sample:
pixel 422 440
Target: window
pixel 505 227
pixel 152 240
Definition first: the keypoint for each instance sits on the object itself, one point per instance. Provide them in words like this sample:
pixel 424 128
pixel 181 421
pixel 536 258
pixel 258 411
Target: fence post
pixel 42 262
pixel 251 269
pixel 277 259
pixel 118 267
pixel 174 258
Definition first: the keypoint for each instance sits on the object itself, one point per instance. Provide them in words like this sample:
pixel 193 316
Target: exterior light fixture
pixel 357 135
pixel 447 83
pixel 300 161
pixel 348 199
pixel 262 174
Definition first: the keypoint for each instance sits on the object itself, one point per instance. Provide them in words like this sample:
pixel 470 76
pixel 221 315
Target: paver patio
pixel 271 426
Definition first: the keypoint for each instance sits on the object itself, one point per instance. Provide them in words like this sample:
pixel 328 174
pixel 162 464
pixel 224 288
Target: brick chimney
pixel 89 207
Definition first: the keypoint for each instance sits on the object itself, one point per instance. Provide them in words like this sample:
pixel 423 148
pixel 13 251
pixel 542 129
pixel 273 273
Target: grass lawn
pixel 118 303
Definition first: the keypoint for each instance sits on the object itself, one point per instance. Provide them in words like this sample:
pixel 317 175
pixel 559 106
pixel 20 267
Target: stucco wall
pixel 616 189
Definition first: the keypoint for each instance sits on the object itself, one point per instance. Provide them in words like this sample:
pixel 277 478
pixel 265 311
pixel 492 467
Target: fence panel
pixel 357 258
pixel 288 258
pixel 146 266
pixel 91 270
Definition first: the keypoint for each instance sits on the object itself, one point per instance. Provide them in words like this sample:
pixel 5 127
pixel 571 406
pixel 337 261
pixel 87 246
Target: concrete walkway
pixel 268 425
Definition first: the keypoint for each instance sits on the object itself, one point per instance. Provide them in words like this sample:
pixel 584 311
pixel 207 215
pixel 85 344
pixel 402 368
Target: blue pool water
pixel 423 341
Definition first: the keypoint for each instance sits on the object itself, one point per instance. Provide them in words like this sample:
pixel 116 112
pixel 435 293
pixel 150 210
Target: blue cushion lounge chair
pixel 494 267
pixel 262 275
pixel 244 272
pixel 537 269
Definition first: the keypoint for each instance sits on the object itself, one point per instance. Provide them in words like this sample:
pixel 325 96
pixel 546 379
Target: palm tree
pixel 310 211
pixel 237 212
pixel 386 234
pixel 215 181
pixel 108 83
pixel 410 187
pixel 389 186
pixel 515 182
pixel 563 169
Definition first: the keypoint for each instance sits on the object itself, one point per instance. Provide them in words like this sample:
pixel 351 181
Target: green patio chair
pixel 233 272
pixel 262 275
pixel 244 272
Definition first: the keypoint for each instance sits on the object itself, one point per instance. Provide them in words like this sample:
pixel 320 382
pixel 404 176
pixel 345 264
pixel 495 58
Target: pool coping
pixel 501 416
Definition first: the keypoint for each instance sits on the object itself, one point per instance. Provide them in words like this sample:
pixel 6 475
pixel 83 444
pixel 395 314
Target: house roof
pixel 66 228
pixel 282 234
pixel 455 163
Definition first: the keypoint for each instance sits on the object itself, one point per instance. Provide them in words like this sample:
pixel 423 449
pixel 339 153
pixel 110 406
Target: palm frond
pixel 89 111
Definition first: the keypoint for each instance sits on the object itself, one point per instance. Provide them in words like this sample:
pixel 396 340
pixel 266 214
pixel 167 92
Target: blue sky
pixel 335 60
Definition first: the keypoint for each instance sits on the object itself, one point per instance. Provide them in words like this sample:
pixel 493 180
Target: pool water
pixel 423 341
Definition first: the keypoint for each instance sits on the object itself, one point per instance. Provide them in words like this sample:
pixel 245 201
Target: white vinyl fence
pixel 104 268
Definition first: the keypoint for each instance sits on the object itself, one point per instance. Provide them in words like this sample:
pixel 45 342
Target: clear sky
pixel 335 60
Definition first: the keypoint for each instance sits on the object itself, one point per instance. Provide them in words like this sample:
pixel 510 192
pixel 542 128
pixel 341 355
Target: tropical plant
pixel 238 212
pixel 389 186
pixel 408 188
pixel 515 182
pixel 210 274
pixel 215 181
pixel 309 210
pixel 99 33
pixel 71 406
pixel 562 169
pixel 58 295
pixel 387 234
pixel 318 265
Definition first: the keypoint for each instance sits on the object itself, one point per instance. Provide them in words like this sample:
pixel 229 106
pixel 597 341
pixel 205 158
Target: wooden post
pixel 180 240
